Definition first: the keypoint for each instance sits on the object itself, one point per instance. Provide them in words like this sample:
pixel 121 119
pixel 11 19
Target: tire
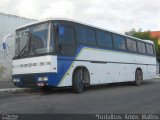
pixel 86 78
pixel 138 78
pixel 78 81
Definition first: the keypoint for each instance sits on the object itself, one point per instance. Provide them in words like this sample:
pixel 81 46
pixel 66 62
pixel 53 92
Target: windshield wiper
pixel 24 50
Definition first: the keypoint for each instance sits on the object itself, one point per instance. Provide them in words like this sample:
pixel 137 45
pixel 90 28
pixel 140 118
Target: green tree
pixel 145 35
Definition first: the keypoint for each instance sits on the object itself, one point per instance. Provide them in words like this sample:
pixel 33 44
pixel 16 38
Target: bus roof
pixel 71 20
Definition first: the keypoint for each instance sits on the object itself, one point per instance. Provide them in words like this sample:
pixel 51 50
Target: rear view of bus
pixel 62 53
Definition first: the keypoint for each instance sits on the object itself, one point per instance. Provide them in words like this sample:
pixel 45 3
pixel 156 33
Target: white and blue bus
pixel 67 53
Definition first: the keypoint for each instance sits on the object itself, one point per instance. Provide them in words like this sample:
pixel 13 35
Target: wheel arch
pixel 139 68
pixel 79 67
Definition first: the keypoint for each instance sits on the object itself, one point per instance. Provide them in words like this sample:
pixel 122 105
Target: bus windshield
pixel 34 40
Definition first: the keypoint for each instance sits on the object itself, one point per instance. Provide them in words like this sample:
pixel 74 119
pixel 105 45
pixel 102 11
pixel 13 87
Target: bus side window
pixel 119 42
pixel 66 40
pixel 150 50
pixel 91 37
pixel 104 39
pixel 66 35
pixel 141 47
pixel 86 35
pixel 131 45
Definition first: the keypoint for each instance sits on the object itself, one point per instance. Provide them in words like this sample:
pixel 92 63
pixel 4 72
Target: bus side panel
pixel 149 70
pixel 107 66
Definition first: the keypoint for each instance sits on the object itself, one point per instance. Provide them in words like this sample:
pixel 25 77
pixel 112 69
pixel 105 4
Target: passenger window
pixel 86 35
pixel 119 42
pixel 131 45
pixel 150 50
pixel 104 39
pixel 66 35
pixel 141 47
pixel 66 41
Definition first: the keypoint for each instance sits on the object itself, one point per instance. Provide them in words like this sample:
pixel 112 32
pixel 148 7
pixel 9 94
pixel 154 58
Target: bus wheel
pixel 138 78
pixel 78 81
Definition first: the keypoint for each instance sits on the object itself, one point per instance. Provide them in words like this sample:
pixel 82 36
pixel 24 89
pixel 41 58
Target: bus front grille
pixel 28 80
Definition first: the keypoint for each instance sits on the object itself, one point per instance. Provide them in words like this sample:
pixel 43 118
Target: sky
pixel 116 15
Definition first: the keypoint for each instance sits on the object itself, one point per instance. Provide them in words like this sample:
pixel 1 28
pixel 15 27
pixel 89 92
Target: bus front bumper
pixel 35 80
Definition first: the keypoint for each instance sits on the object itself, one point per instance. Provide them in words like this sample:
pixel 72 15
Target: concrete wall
pixel 8 25
pixel 158 68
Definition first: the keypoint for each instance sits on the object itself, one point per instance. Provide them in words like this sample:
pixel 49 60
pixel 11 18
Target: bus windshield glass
pixel 34 40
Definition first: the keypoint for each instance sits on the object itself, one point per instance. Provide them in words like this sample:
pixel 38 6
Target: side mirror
pixel 4 46
pixel 5 39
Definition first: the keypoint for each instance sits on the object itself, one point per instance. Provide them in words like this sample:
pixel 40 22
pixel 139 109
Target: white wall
pixel 8 25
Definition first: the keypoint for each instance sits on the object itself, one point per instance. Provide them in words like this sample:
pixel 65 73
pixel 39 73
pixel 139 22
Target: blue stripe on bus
pixel 63 66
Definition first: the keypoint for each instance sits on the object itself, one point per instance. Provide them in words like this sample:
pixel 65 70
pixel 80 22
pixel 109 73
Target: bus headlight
pixel 16 80
pixel 45 79
pixel 42 79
